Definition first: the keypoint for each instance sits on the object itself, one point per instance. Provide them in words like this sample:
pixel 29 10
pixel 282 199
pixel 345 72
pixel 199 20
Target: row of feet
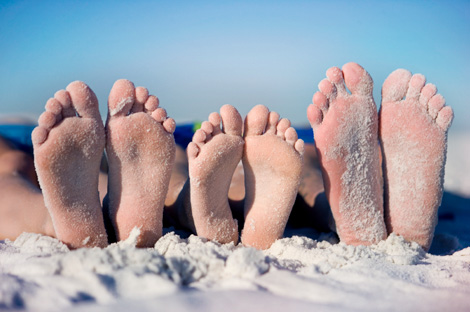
pixel 140 148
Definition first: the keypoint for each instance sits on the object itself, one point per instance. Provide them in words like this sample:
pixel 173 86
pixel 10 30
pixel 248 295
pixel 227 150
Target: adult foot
pixel 345 127
pixel 413 134
pixel 141 151
pixel 213 156
pixel 68 145
pixel 272 161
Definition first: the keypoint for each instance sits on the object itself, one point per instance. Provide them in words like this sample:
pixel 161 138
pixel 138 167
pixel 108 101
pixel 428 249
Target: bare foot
pixel 141 151
pixel 413 134
pixel 346 135
pixel 272 161
pixel 213 156
pixel 68 145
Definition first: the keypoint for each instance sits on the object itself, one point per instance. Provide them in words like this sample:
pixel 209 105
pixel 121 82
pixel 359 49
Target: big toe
pixel 83 99
pixel 121 98
pixel 256 120
pixel 231 120
pixel 396 85
pixel 357 79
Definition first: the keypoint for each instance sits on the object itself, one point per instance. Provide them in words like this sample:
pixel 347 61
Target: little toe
pixel 231 120
pixel 396 85
pixel 357 79
pixel 256 120
pixel 169 125
pixel 445 117
pixel 159 114
pixel 417 82
pixel 436 103
pixel 427 93
pixel 63 97
pixel 39 135
pixel 141 96
pixel 192 150
pixel 327 88
pixel 215 120
pixel 300 146
pixel 273 119
pixel 121 98
pixel 335 76
pixel 84 100
pixel 151 104
pixel 314 115
pixel 291 136
pixel 282 127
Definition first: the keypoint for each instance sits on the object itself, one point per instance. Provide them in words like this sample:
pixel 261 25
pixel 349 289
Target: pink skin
pixel 272 162
pixel 68 146
pixel 346 137
pixel 413 132
pixel 141 151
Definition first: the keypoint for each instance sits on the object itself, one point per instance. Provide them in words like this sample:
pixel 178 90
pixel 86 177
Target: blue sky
pixel 198 55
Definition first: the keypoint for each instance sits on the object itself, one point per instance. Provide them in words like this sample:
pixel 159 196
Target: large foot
pixel 141 151
pixel 413 134
pixel 272 161
pixel 345 128
pixel 213 156
pixel 68 145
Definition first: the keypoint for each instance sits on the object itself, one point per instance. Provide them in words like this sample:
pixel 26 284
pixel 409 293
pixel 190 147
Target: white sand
pixel 307 271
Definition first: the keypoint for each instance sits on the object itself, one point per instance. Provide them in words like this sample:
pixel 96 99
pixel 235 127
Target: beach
pixel 304 271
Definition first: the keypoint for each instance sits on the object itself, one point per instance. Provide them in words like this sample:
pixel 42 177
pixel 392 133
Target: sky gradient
pixel 196 56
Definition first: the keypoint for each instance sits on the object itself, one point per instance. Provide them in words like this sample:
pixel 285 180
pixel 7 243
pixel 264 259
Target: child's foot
pixel 213 156
pixel 272 161
pixel 68 145
pixel 413 134
pixel 141 151
pixel 345 128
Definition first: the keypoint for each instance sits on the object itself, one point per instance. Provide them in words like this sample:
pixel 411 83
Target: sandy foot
pixel 213 156
pixel 68 145
pixel 345 128
pixel 413 134
pixel 141 151
pixel 272 161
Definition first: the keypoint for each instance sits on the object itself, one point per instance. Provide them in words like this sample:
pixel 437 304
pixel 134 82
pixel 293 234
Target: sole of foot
pixel 213 156
pixel 68 146
pixel 141 151
pixel 272 162
pixel 413 133
pixel 345 127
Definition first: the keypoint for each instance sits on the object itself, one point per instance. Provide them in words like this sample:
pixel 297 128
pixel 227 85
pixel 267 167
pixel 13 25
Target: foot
pixel 345 127
pixel 413 134
pixel 141 151
pixel 68 145
pixel 272 161
pixel 213 156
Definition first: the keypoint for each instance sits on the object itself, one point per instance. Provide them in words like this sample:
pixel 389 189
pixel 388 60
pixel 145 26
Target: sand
pixel 305 271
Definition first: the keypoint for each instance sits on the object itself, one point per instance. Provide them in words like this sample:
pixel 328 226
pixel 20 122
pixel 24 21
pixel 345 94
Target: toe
pixel 291 136
pixel 169 125
pixel 327 88
pixel 444 118
pixel 39 135
pixel 47 120
pixel 321 101
pixel 151 104
pixel 273 119
pixel 84 100
pixel 159 114
pixel 63 97
pixel 335 76
pixel 436 103
pixel 215 120
pixel 231 120
pixel 357 79
pixel 395 86
pixel 208 129
pixel 141 96
pixel 199 137
pixel 314 115
pixel 54 107
pixel 192 150
pixel 300 146
pixel 416 85
pixel 256 120
pixel 282 127
pixel 121 98
pixel 427 93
